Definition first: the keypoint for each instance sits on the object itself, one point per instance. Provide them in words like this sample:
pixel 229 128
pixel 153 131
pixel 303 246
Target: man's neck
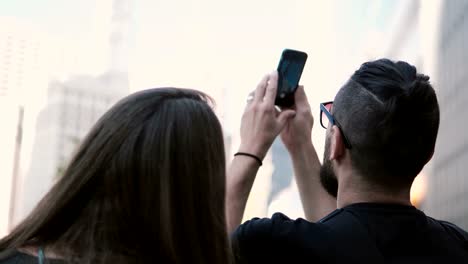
pixel 358 192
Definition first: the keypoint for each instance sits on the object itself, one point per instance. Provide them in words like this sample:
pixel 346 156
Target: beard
pixel 327 175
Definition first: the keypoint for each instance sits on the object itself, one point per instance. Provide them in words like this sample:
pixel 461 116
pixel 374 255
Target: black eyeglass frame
pixel 332 121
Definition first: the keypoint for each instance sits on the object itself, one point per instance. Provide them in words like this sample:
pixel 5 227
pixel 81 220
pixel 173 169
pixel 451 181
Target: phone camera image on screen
pixel 289 73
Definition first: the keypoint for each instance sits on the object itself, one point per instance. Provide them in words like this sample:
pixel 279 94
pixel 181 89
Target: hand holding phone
pixel 290 69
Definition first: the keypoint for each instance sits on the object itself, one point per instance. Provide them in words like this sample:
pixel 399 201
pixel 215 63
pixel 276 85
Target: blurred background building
pixel 448 182
pixel 72 104
pixel 73 107
pixel 29 57
pixel 9 150
pixel 283 172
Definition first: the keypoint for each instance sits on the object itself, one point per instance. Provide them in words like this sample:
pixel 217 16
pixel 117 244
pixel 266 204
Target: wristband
pixel 249 155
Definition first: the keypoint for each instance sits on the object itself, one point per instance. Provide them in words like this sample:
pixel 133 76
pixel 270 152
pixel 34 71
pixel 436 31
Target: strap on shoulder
pixel 40 255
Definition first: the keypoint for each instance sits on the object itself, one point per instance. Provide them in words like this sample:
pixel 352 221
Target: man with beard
pixel 381 131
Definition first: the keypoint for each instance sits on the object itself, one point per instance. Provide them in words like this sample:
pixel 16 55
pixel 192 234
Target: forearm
pixel 316 202
pixel 240 178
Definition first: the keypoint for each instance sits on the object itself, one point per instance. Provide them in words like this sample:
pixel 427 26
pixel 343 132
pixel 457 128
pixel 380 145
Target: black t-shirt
pixel 358 233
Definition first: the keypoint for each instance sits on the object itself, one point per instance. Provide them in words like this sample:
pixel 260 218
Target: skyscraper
pixel 27 58
pixel 8 139
pixel 282 175
pixel 75 104
pixel 20 51
pixel 448 186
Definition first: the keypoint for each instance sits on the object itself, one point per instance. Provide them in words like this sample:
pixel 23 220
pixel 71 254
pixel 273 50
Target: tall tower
pixel 74 105
pixel 119 39
pixel 448 184
pixel 26 59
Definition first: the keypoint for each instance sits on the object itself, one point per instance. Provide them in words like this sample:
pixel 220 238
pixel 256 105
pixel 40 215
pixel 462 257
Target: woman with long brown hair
pixel 146 185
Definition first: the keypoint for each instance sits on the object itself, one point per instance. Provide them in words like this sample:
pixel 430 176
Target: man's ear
pixel 337 147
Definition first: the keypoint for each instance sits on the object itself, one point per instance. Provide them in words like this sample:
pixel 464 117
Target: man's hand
pixel 261 122
pixel 298 131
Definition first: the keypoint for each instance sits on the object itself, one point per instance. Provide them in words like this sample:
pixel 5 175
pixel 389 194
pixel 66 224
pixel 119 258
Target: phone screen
pixel 289 73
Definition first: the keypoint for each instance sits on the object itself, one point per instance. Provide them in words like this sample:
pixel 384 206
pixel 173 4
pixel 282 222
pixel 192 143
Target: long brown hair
pixel 146 185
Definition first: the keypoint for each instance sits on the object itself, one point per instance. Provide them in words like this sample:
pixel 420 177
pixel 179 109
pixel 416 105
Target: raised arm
pixel 297 137
pixel 260 125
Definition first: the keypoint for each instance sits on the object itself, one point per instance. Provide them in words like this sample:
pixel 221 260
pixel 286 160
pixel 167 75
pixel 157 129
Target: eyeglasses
pixel 327 118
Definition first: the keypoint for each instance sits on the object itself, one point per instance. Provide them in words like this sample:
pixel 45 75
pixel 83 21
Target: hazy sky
pixel 63 17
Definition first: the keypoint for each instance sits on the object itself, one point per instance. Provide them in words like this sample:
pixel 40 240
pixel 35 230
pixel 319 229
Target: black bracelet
pixel 249 155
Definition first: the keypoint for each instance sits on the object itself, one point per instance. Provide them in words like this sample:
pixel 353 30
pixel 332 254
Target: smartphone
pixel 290 68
